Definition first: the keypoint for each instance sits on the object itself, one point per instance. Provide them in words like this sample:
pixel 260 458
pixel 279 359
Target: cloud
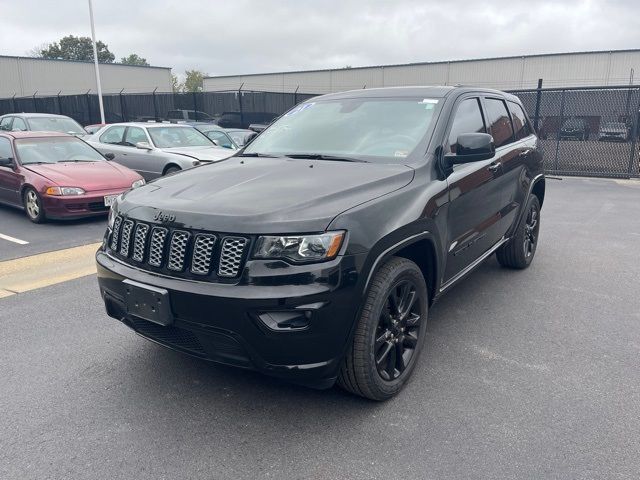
pixel 246 36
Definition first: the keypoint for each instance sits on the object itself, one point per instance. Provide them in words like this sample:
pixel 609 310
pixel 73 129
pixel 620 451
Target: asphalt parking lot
pixel 529 374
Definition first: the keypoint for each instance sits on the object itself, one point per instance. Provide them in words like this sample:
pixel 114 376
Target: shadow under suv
pixel 315 253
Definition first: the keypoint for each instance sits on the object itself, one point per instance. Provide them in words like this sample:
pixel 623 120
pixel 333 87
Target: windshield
pixel 54 150
pixel 388 128
pixel 169 137
pixel 55 124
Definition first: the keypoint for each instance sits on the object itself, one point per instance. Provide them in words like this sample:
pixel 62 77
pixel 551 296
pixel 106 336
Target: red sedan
pixel 55 175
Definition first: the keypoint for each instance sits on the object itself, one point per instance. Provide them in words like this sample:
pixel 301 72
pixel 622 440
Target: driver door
pixel 474 194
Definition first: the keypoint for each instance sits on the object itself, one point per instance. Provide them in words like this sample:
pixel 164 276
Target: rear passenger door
pixel 508 155
pixel 475 196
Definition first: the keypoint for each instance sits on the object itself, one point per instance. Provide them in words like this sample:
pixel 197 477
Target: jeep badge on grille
pixel 164 217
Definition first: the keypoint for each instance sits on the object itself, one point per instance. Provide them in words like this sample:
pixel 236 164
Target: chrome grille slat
pixel 231 256
pixel 125 241
pixel 140 241
pixel 202 253
pixel 115 234
pixel 156 247
pixel 177 250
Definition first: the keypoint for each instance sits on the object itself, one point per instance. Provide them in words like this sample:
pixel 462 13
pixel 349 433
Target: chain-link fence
pixel 583 131
pixel 587 131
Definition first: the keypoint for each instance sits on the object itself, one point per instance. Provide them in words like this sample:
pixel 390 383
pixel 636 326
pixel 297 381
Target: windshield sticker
pixel 401 153
pixel 429 100
pixel 299 108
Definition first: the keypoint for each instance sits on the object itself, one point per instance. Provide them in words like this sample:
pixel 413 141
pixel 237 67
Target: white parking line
pixel 13 239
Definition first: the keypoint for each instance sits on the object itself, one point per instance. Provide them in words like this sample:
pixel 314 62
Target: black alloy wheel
pixel 398 330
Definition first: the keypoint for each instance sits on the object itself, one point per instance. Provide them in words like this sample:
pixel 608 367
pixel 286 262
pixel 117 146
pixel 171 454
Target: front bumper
pixel 76 206
pixel 226 323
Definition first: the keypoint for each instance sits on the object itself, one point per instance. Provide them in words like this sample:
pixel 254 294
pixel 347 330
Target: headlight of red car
pixel 58 191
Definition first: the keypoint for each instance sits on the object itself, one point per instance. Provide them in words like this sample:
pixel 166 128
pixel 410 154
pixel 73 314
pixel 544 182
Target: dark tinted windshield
pixel 55 124
pixel 388 128
pixel 54 150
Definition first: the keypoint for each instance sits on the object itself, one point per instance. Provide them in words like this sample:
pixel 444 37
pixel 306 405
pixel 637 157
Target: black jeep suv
pixel 315 252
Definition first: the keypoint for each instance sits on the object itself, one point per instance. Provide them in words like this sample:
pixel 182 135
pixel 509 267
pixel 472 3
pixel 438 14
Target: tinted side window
pixel 19 125
pixel 5 148
pixel 521 126
pixel 467 119
pixel 113 135
pixel 135 135
pixel 499 122
pixel 5 124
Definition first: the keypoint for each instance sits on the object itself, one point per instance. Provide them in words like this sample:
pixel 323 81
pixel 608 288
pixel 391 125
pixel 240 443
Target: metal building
pixel 508 73
pixel 24 76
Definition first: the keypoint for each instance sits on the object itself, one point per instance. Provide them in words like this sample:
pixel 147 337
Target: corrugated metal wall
pixel 25 76
pixel 561 70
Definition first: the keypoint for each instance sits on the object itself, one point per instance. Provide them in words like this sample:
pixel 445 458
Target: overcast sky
pixel 248 36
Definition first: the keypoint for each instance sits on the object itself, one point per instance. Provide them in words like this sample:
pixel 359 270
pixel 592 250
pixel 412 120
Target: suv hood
pixel 264 195
pixel 207 154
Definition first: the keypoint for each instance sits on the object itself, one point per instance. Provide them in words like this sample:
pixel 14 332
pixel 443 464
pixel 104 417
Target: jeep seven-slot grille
pixel 177 251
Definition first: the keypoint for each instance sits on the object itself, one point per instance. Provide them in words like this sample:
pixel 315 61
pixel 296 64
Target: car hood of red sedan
pixel 86 175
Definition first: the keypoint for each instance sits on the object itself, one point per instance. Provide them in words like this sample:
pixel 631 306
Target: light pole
pixel 95 62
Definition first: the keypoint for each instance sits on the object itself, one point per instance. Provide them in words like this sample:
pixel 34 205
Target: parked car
pixel 191 116
pixel 258 127
pixel 91 129
pixel 216 134
pixel 241 136
pixel 42 122
pixel 574 129
pixel 243 120
pixel 55 175
pixel 157 149
pixel 315 254
pixel 614 131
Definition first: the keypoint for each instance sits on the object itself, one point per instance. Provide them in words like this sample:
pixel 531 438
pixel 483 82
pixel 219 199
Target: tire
pixel 32 204
pixel 393 320
pixel 519 251
pixel 172 170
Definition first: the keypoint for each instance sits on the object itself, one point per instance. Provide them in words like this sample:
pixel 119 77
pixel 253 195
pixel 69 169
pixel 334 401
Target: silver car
pixel 156 149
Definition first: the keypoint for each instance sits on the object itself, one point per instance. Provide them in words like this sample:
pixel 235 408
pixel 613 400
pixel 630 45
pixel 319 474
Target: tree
pixel 175 84
pixel 134 59
pixel 193 82
pixel 77 48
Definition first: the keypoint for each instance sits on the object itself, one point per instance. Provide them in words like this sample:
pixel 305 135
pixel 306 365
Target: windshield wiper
pixel 322 156
pixel 65 161
pixel 256 154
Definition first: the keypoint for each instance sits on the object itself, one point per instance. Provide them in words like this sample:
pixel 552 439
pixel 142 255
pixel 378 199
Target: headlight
pixel 57 191
pixel 112 216
pixel 303 248
pixel 137 183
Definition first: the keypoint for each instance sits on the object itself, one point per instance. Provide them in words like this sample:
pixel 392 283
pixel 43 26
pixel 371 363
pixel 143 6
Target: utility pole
pixel 95 62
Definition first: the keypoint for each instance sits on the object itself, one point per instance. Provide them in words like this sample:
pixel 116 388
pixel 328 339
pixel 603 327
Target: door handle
pixel 494 167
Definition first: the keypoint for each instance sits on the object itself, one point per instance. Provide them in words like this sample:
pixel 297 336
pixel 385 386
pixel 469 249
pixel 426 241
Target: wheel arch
pixel 170 165
pixel 538 189
pixel 419 248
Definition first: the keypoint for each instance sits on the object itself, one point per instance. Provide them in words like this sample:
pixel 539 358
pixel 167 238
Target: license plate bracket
pixel 109 200
pixel 148 302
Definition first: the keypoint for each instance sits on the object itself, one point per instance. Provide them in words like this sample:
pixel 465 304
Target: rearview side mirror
pixel 109 156
pixel 6 162
pixel 471 147
pixel 143 146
